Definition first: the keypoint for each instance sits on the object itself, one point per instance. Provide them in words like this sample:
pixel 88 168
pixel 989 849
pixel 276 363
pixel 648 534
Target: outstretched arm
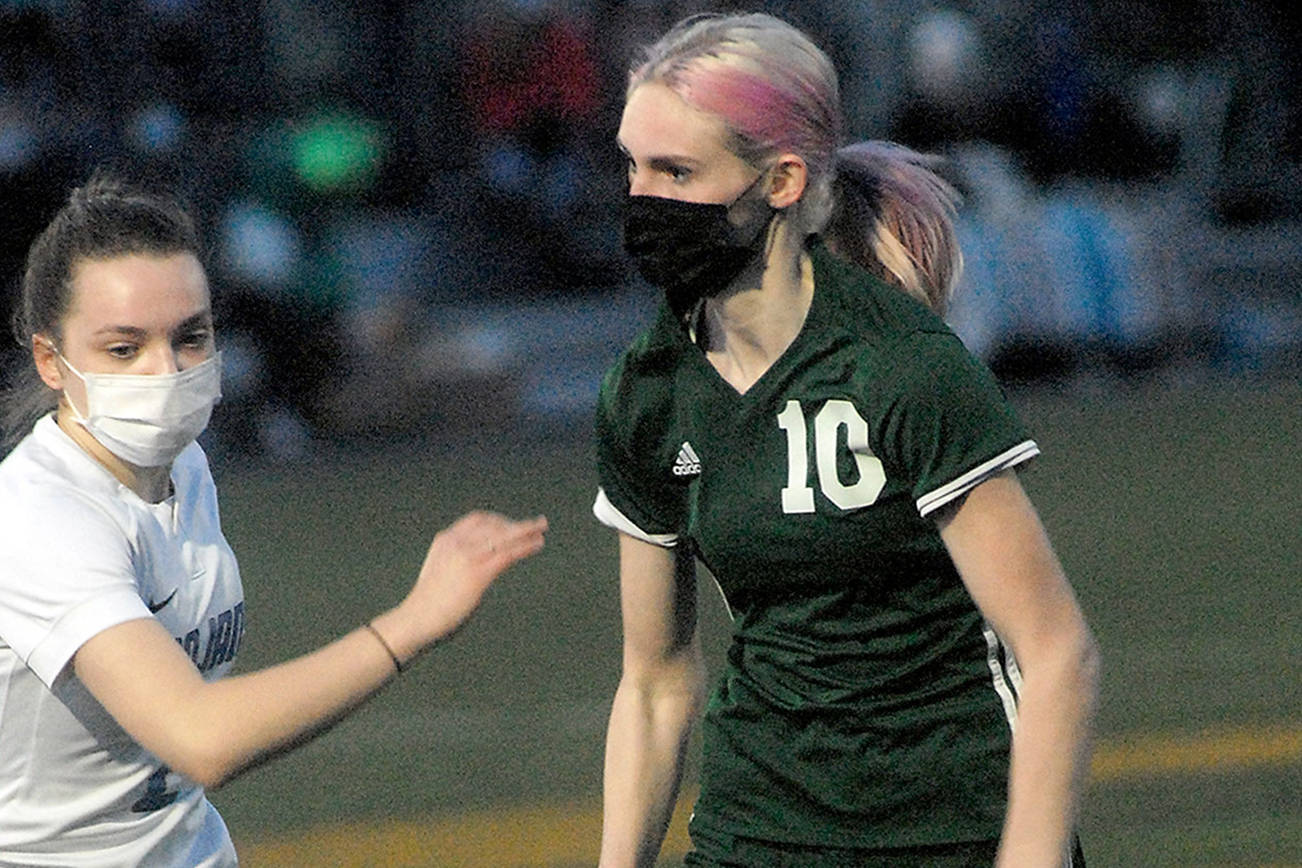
pixel 1008 565
pixel 656 704
pixel 210 732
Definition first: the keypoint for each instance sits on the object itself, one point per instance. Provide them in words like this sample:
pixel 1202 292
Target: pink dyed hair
pixel 895 217
pixel 774 89
pixel 777 92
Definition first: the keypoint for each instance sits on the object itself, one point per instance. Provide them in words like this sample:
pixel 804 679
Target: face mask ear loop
pixel 763 201
pixel 82 420
pixel 67 363
pixel 763 173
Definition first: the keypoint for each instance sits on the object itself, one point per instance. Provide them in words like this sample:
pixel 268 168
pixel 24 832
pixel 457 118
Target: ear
pixel 47 361
pixel 789 177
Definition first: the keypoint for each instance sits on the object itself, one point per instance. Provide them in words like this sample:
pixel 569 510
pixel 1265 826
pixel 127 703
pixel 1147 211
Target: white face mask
pixel 147 419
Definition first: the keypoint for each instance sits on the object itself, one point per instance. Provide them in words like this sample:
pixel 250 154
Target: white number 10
pixel 798 496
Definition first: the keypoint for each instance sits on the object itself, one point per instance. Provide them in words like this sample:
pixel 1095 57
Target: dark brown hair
pixel 102 219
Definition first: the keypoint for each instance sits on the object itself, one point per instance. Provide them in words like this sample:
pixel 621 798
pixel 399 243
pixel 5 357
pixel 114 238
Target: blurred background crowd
pixel 413 207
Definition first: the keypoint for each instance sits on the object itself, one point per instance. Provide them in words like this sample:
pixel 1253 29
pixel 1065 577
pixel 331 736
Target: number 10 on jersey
pixel 798 495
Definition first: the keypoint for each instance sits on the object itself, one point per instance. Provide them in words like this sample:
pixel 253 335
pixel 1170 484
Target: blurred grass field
pixel 1175 510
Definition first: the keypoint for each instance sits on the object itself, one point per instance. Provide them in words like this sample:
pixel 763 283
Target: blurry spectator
pixel 865 38
pixel 1023 80
pixel 950 83
pixel 428 117
pixel 1053 281
pixel 281 327
pixel 1001 307
pixel 326 51
pixel 530 75
pixel 1262 152
pixel 369 168
pixel 529 71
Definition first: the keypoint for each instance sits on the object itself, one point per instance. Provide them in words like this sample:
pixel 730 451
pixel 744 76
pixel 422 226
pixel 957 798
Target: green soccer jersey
pixel 864 701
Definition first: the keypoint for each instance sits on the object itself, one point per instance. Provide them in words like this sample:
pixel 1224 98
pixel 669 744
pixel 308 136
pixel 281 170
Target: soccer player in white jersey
pixel 825 445
pixel 121 608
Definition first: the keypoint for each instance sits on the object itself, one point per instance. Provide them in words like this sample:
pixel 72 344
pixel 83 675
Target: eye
pixel 198 339
pixel 676 172
pixel 121 351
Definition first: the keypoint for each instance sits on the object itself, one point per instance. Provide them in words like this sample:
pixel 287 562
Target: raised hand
pixel 463 560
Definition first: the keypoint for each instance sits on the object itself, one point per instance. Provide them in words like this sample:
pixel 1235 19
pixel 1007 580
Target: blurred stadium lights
pixel 158 128
pixel 335 152
pixel 259 244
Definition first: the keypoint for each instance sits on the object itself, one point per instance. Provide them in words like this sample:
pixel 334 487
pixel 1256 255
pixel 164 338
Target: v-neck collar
pixel 774 371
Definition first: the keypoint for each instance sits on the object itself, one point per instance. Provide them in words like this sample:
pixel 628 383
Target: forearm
pixel 645 743
pixel 210 731
pixel 236 723
pixel 1051 749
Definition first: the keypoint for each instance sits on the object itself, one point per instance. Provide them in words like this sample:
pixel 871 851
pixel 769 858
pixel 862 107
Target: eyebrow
pixel 203 319
pixel 661 161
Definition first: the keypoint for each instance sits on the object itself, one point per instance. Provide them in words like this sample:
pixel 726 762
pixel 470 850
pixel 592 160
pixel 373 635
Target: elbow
pixel 210 778
pixel 695 686
pixel 207 776
pixel 1078 667
pixel 672 687
pixel 213 772
pixel 1067 666
pixel 203 761
pixel 207 773
pixel 697 694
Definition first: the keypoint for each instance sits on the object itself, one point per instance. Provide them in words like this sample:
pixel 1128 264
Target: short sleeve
pixel 633 498
pixel 949 424
pixel 66 574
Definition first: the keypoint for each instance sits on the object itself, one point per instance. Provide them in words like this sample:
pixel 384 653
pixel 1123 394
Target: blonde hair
pixel 774 89
pixel 882 206
pixel 895 217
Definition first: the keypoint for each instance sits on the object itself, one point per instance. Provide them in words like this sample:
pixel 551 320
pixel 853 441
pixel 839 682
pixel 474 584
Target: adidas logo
pixel 687 463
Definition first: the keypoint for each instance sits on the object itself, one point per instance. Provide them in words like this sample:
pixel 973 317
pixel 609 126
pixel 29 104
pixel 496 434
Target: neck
pixel 151 484
pixel 749 327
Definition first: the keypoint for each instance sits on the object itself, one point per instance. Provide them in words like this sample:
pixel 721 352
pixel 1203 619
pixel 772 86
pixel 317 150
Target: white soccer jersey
pixel 79 553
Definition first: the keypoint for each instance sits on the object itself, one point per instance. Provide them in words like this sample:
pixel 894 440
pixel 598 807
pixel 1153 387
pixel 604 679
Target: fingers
pixel 497 539
pixel 515 541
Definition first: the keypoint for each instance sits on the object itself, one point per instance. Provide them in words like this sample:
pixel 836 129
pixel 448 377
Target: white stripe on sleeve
pixel 934 500
pixel 608 515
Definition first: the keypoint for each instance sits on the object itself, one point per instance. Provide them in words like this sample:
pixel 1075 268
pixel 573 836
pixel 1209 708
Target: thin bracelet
pixel 397 664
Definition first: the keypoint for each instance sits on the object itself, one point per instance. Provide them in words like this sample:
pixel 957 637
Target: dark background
pixel 409 202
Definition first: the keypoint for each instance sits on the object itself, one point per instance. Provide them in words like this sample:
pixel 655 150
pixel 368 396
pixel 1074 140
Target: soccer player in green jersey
pixel 910 679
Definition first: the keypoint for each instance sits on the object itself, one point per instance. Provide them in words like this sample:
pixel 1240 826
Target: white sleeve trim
pixel 934 500
pixel 608 515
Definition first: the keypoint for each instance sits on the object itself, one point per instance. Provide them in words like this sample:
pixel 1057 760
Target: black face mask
pixel 690 249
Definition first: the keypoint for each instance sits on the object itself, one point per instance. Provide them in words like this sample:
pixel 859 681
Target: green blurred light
pixel 337 153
